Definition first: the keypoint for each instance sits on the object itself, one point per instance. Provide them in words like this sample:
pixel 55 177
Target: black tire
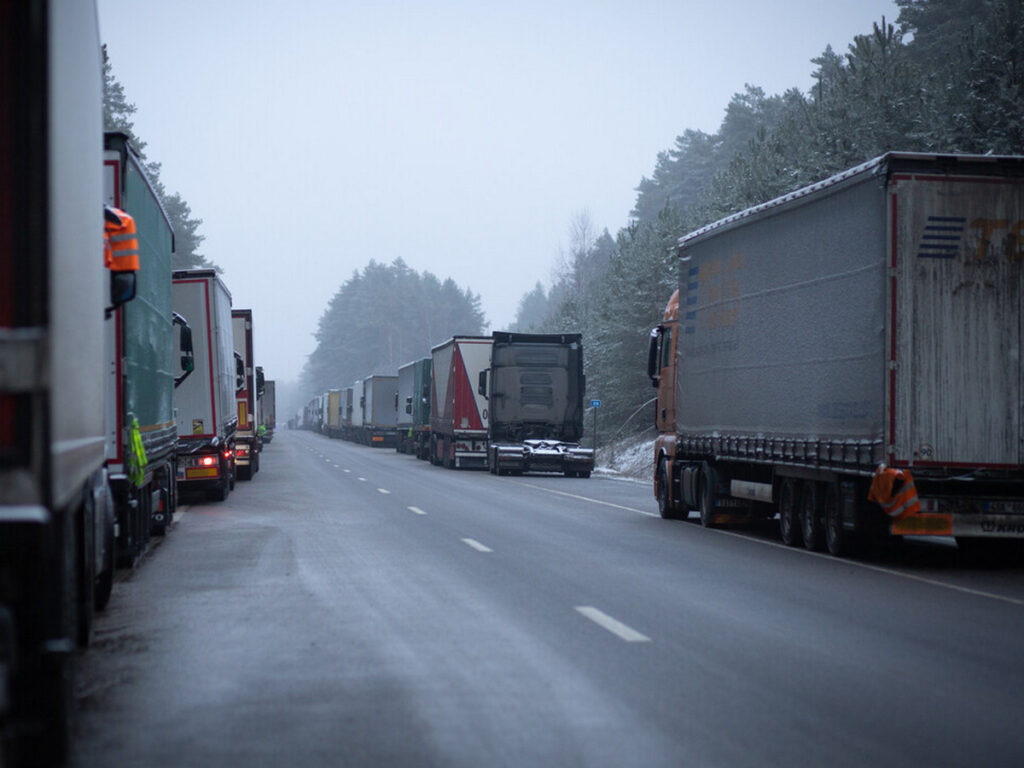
pixel 245 472
pixel 666 506
pixel 85 566
pixel 707 497
pixel 104 584
pixel 584 474
pixel 810 517
pixel 836 538
pixel 789 513
pixel 220 493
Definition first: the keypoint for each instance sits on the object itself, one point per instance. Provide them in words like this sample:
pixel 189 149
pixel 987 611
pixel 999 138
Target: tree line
pixel 383 317
pixel 117 116
pixel 947 76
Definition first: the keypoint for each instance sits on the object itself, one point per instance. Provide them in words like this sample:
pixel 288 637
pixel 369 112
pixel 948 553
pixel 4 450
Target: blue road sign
pixel 595 403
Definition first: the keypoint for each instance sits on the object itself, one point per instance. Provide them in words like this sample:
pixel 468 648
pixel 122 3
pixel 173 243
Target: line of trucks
pixel 508 402
pixel 120 386
pixel 848 358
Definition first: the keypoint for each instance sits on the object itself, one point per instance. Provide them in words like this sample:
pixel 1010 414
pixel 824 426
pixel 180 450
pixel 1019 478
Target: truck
pixel 247 442
pixel 207 420
pixel 141 364
pixel 268 410
pixel 56 507
pixel 848 358
pixel 412 409
pixel 378 405
pixel 355 424
pixel 332 413
pixel 458 412
pixel 347 400
pixel 534 389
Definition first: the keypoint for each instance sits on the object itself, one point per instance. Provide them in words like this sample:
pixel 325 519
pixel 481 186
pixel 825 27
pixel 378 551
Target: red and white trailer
pixel 458 412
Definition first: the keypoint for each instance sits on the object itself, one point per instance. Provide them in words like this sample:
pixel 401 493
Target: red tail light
pixel 208 461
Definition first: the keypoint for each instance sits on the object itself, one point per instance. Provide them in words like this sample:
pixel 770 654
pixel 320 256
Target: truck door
pixel 956 389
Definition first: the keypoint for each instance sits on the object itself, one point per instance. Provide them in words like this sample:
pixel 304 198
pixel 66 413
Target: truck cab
pixel 662 369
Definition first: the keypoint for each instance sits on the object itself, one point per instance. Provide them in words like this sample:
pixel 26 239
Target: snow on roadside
pixel 631 458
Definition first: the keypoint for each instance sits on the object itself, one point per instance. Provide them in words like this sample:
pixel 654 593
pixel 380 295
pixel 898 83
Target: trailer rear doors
pixel 956 322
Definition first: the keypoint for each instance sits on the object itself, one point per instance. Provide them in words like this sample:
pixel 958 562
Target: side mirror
pixel 260 385
pixel 188 361
pixel 652 355
pixel 122 288
pixel 482 382
pixel 239 373
pixel 408 404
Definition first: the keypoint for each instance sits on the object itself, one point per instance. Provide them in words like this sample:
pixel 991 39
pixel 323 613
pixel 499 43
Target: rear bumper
pixel 543 456
pixel 972 518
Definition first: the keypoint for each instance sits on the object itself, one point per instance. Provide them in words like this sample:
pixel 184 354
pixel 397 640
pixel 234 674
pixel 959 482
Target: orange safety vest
pixel 893 490
pixel 120 245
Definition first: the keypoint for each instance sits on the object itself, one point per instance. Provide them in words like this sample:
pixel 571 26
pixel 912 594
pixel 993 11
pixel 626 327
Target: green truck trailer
pixel 143 363
pixel 412 408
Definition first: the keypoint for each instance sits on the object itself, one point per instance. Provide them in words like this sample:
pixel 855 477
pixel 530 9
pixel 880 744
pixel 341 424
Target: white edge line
pixel 588 498
pixel 779 545
pixel 417 510
pixel 477 545
pixel 614 626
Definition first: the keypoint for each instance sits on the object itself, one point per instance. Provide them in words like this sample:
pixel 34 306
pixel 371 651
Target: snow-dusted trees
pixel 948 76
pixel 384 317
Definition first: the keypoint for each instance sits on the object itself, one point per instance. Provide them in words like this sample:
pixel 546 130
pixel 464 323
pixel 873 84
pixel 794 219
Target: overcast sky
pixel 313 135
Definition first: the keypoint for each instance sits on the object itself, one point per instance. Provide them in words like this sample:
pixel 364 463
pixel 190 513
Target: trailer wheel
pixel 789 515
pixel 105 581
pixel 707 497
pixel 836 540
pixel 810 517
pixel 666 508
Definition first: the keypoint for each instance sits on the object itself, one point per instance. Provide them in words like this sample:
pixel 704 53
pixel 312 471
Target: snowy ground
pixel 630 458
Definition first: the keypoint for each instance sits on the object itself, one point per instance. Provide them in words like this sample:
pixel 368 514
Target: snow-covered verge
pixel 631 457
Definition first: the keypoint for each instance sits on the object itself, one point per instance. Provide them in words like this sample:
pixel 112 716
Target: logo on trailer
pixel 197 426
pixel 942 236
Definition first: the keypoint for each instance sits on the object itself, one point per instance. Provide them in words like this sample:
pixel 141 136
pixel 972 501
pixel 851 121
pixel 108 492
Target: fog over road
pixel 356 607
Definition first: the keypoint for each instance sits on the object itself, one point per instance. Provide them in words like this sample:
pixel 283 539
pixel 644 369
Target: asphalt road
pixel 355 607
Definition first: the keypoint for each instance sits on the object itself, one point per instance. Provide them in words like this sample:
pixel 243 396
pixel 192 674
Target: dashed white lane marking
pixel 383 490
pixel 417 510
pixel 477 545
pixel 347 471
pixel 362 479
pixel 336 466
pixel 614 626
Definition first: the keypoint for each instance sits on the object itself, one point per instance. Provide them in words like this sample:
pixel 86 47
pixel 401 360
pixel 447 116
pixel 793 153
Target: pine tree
pixel 117 114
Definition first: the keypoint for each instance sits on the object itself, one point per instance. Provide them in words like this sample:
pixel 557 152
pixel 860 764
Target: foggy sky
pixel 311 136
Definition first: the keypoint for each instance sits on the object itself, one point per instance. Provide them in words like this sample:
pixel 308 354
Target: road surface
pixel 355 607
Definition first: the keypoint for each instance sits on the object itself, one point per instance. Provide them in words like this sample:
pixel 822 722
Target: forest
pixel 946 76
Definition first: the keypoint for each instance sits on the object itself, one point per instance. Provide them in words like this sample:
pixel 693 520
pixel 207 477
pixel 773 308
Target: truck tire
pixel 836 538
pixel 789 513
pixel 666 505
pixel 105 581
pixel 706 497
pixel 810 517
